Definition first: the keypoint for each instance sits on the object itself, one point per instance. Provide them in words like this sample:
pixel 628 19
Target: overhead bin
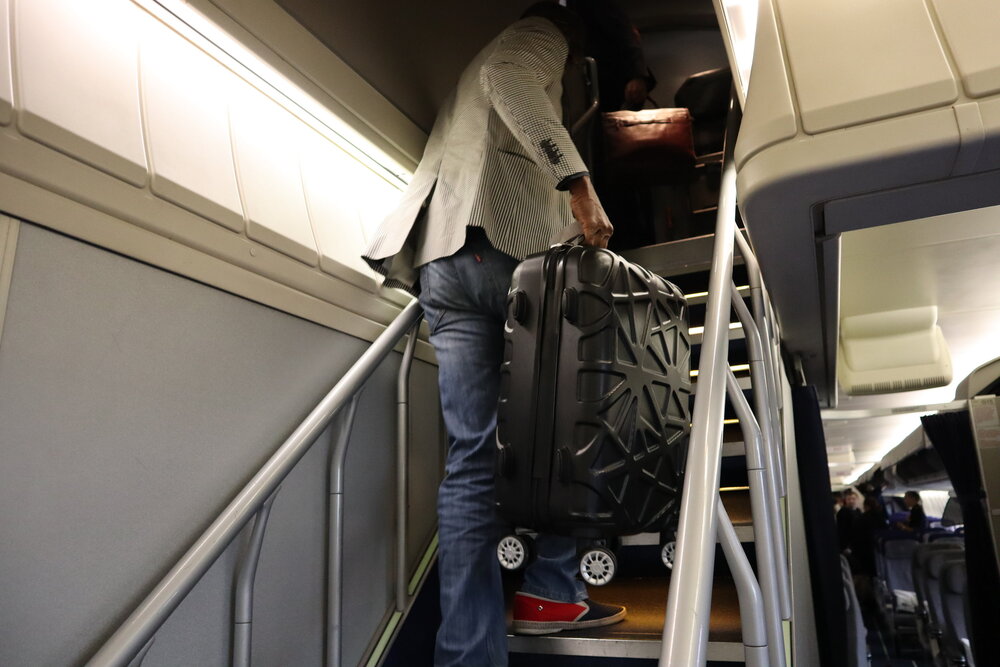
pixel 861 114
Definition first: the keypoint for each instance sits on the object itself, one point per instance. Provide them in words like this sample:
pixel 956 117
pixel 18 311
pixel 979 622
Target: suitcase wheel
pixel 667 554
pixel 598 566
pixel 514 551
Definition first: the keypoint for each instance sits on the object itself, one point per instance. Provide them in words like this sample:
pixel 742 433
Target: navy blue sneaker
pixel 535 615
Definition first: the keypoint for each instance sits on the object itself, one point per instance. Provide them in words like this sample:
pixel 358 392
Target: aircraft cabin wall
pixel 169 313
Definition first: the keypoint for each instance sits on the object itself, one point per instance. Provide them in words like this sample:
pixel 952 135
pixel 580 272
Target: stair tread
pixel 743 382
pixel 640 633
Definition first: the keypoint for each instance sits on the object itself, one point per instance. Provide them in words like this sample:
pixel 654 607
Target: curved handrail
pixel 126 642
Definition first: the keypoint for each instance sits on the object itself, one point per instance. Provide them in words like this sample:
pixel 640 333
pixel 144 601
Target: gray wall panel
pixel 369 513
pixel 133 405
pixel 290 596
pixel 198 633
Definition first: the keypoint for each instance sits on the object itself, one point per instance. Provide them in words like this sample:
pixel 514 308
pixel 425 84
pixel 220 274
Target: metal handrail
pixel 126 642
pixel 685 632
pixel 756 638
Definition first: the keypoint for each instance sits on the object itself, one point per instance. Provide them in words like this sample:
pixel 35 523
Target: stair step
pixel 735 333
pixel 737 504
pixel 745 533
pixel 676 258
pixel 698 298
pixel 743 382
pixel 639 635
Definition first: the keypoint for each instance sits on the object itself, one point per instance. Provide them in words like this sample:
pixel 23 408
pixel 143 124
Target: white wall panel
pixel 267 142
pixel 6 90
pixel 77 81
pixel 854 61
pixel 376 199
pixel 970 28
pixel 329 178
pixel 187 126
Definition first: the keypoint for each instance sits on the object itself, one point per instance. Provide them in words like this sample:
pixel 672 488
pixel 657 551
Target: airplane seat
pixel 955 633
pixel 919 572
pixel 857 634
pixel 898 558
pixel 935 567
pixel 897 601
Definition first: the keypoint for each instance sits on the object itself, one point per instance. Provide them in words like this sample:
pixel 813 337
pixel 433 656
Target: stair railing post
pixel 402 464
pixel 246 574
pixel 756 638
pixel 685 631
pixel 763 532
pixel 761 315
pixel 335 549
pixel 762 401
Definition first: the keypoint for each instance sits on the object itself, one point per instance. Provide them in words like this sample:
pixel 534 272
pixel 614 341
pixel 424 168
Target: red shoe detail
pixel 538 609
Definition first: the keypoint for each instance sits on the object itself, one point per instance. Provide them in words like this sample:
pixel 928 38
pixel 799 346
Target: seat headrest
pixel 925 551
pixel 936 563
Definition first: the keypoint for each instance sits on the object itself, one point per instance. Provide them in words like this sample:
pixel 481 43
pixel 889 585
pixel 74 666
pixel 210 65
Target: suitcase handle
pixel 505 461
pixel 517 306
pixel 570 304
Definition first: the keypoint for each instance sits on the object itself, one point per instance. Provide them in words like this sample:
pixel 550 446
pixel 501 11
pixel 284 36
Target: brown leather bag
pixel 648 147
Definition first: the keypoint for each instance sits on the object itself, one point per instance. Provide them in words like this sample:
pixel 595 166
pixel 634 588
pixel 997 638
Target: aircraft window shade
pixel 266 146
pixel 6 84
pixel 77 92
pixel 187 128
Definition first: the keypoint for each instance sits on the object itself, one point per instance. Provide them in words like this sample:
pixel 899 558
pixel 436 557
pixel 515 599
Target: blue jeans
pixel 464 299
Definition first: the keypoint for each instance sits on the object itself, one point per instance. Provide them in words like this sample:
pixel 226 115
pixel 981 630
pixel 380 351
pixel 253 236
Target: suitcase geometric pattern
pixel 594 413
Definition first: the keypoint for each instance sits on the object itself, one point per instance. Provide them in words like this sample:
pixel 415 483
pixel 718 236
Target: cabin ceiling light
pixel 892 351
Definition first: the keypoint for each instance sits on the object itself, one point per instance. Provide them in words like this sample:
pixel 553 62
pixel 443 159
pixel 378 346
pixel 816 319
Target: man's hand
pixel 589 213
pixel 636 92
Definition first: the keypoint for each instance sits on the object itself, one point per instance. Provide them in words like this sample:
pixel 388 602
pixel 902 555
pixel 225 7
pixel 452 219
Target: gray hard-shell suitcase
pixel 594 417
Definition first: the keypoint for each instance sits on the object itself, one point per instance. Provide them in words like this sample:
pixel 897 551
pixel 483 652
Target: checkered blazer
pixel 498 158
